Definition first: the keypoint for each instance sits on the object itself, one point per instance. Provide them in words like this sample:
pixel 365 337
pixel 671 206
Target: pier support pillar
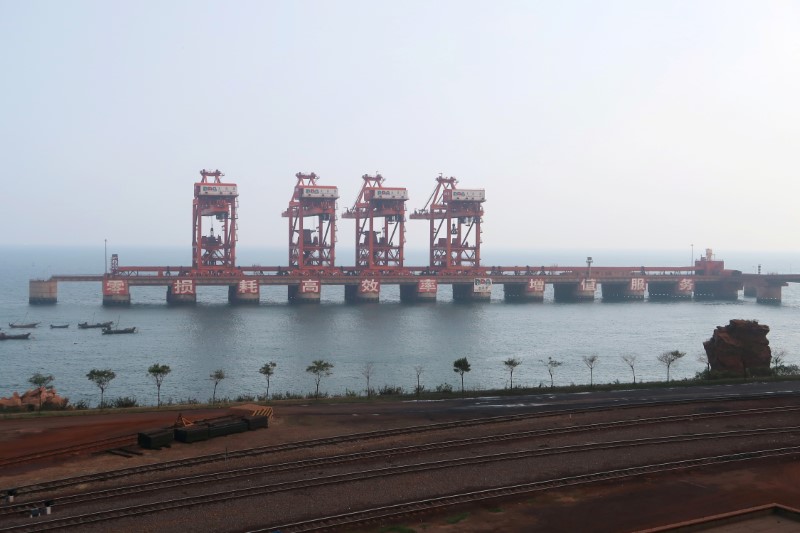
pixel 307 292
pixel 116 292
pixel 423 290
pixel 480 290
pixel 42 292
pixel 751 289
pixel 368 290
pixel 582 291
pixel 182 292
pixel 769 293
pixel 670 290
pixel 530 291
pixel 717 290
pixel 632 289
pixel 245 292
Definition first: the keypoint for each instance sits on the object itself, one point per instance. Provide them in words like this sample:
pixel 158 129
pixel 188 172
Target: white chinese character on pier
pixel 369 285
pixel 686 285
pixel 536 285
pixel 183 286
pixel 588 284
pixel 637 284
pixel 248 286
pixel 427 285
pixel 309 285
pixel 115 286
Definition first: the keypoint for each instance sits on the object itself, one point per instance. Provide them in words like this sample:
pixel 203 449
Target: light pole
pixel 691 260
pixel 589 267
pixel 105 252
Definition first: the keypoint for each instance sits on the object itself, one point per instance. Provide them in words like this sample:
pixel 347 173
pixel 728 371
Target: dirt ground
pixel 631 505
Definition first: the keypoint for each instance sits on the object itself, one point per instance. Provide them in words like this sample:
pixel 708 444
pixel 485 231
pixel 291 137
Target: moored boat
pixel 28 325
pixel 86 325
pixel 21 336
pixel 59 326
pixel 109 331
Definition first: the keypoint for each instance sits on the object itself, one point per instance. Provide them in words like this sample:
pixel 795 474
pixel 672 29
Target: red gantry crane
pixel 380 215
pixel 213 198
pixel 455 230
pixel 312 223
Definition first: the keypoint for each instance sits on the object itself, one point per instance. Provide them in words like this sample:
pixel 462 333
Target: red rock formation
pixel 740 347
pixel 31 397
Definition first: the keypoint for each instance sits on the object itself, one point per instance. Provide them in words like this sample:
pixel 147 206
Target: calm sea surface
pixel 395 337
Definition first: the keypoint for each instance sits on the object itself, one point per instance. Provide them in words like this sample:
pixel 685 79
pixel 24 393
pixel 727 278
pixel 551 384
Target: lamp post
pixel 105 252
pixel 589 267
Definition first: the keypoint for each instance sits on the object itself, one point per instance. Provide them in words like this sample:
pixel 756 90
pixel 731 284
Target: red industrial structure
pixel 455 224
pixel 455 217
pixel 380 215
pixel 312 243
pixel 214 252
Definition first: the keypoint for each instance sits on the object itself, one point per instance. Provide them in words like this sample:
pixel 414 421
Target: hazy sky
pixel 619 124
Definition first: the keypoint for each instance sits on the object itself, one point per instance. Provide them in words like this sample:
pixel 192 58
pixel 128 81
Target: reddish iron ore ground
pixel 620 506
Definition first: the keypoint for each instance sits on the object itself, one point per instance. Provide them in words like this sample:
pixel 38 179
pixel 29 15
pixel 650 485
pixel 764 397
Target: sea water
pixel 395 337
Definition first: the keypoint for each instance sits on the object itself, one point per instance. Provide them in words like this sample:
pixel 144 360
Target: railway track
pixel 427 467
pixel 82 448
pixel 128 440
pixel 393 512
pixel 372 435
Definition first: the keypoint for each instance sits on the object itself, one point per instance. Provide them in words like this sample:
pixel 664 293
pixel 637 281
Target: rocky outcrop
pixel 741 347
pixel 31 397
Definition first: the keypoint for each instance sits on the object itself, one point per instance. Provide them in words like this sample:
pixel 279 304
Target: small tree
pixel 42 383
pixel 216 376
pixel 630 360
pixel 551 365
pixel 419 370
pixel 511 363
pixel 778 358
pixel 158 373
pixel 591 361
pixel 461 366
pixel 669 358
pixel 101 378
pixel 268 370
pixel 367 372
pixel 703 358
pixel 319 368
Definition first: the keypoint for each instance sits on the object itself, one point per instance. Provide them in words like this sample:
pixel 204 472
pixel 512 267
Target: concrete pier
pixel 423 290
pixel 307 291
pixel 182 292
pixel 530 291
pixel 42 292
pixel 582 291
pixel 116 292
pixel 623 291
pixel 717 290
pixel 769 293
pixel 750 289
pixel 480 290
pixel 368 290
pixel 670 290
pixel 246 292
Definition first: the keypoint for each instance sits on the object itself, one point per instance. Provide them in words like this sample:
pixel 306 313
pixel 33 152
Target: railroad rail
pixel 460 462
pixel 407 430
pixel 98 445
pixel 326 461
pixel 377 514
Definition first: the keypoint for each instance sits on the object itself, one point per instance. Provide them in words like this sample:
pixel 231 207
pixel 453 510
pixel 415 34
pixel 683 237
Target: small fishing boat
pixel 59 326
pixel 109 331
pixel 28 325
pixel 103 325
pixel 21 336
